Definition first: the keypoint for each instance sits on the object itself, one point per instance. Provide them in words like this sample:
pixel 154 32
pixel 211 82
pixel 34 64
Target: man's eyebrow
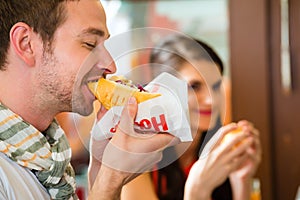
pixel 93 31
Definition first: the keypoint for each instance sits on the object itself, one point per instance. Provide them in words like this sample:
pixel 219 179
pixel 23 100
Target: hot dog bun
pixel 232 134
pixel 114 93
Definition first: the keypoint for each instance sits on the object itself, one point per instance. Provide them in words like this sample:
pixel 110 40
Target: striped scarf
pixel 47 154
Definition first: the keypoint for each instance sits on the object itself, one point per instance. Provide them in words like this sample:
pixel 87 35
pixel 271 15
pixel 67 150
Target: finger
pixel 257 147
pixel 127 161
pixel 97 133
pixel 160 141
pixel 247 126
pixel 154 143
pixel 101 112
pixel 224 130
pixel 245 123
pixel 254 156
pixel 255 132
pixel 256 144
pixel 235 151
pixel 255 135
pixel 234 141
pixel 127 116
pixel 238 161
pixel 233 146
pixel 97 148
pixel 215 140
pixel 254 151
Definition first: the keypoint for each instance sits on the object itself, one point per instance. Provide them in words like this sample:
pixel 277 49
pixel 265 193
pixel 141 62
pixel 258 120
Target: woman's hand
pixel 216 162
pixel 241 178
pixel 249 167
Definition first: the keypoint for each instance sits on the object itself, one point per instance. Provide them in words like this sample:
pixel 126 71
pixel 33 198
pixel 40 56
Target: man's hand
pixel 127 154
pixel 96 149
pixel 131 151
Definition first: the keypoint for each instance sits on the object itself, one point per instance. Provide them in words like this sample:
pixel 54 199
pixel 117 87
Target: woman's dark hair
pixel 44 16
pixel 174 50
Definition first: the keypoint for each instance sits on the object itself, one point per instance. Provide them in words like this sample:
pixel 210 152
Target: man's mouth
pixel 93 79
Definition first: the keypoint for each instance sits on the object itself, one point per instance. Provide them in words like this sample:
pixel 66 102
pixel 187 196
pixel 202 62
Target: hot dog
pixel 116 91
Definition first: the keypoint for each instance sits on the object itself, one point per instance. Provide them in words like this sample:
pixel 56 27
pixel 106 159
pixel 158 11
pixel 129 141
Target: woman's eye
pixel 196 86
pixel 217 86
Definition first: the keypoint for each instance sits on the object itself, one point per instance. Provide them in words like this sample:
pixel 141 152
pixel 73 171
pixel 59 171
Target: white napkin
pixel 166 113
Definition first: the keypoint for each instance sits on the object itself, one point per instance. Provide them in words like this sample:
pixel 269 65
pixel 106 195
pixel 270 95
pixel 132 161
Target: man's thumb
pixel 128 115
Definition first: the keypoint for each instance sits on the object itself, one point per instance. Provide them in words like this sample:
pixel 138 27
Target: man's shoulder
pixel 9 172
pixel 5 164
pixel 17 181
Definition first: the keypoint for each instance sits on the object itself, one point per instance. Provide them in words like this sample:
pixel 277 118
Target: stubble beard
pixel 55 90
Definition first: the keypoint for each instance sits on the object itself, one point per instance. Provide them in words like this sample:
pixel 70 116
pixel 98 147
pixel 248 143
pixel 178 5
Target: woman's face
pixel 205 94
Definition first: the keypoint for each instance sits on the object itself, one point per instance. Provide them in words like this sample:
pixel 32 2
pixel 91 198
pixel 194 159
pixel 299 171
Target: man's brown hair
pixel 44 16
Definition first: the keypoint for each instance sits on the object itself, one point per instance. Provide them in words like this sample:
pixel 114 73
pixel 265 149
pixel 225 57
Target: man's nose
pixel 105 60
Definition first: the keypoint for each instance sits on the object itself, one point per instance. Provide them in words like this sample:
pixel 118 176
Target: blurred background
pixel 258 41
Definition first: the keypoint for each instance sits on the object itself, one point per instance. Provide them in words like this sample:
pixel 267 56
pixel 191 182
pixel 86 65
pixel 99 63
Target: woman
pixel 197 64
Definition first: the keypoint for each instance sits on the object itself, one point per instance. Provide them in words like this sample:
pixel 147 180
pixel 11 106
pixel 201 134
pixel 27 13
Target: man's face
pixel 78 56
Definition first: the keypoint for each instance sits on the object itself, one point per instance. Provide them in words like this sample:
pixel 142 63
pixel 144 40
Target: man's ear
pixel 21 36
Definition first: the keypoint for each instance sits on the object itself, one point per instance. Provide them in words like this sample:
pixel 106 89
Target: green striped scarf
pixel 47 154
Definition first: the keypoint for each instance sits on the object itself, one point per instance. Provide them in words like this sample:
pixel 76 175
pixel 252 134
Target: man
pixel 44 46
